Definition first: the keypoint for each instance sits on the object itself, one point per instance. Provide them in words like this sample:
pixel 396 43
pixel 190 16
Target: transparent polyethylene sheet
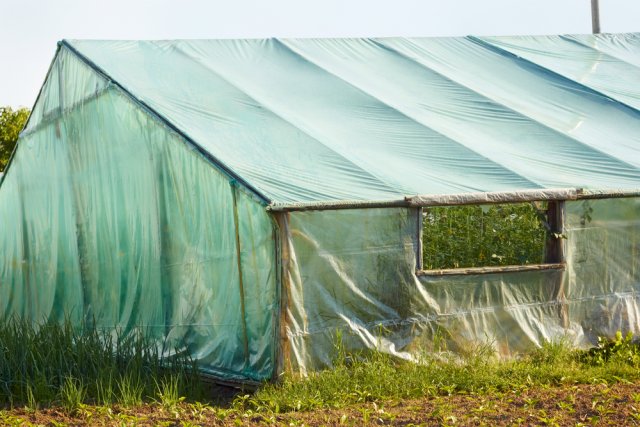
pixel 109 217
pixel 379 119
pixel 357 277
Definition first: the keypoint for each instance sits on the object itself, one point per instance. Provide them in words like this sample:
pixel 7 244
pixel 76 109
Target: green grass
pixel 376 377
pixel 51 363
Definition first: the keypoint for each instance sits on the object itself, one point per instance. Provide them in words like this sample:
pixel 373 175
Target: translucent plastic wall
pixel 603 274
pixel 357 277
pixel 109 217
pixel 349 271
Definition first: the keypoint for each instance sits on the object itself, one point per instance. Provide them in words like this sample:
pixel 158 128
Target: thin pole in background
pixel 595 17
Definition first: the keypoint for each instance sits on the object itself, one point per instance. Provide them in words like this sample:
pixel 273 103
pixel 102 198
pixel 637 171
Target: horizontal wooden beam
pixel 459 199
pixel 491 270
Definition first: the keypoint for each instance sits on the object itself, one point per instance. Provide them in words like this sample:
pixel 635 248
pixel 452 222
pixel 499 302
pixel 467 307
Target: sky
pixel 29 29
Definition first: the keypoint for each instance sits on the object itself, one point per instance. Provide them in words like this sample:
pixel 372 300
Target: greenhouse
pixel 249 202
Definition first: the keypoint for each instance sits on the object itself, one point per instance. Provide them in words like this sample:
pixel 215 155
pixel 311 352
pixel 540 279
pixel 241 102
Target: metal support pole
pixel 595 17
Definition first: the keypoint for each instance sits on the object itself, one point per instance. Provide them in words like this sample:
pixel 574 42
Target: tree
pixel 11 123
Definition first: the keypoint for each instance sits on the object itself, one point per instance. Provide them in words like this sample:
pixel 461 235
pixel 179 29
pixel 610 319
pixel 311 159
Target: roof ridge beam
pixel 459 199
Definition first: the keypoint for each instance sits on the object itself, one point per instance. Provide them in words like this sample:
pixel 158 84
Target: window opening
pixel 500 235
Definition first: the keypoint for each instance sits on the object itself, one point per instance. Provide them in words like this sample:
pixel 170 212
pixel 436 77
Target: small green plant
pixel 130 390
pixel 552 352
pixel 32 404
pixel 104 390
pixel 72 394
pixel 621 349
pixel 168 392
pixel 566 407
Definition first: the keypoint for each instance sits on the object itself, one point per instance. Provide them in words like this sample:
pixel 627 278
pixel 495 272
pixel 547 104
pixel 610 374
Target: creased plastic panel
pixel 354 123
pixel 69 82
pixel 582 63
pixel 349 271
pixel 144 237
pixel 279 159
pixel 36 251
pixel 499 134
pixel 357 278
pixel 625 47
pixel 547 98
pixel 603 249
pixel 378 119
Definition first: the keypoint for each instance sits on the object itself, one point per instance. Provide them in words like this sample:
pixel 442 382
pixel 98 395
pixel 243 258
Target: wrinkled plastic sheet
pixel 357 279
pixel 109 217
pixel 321 120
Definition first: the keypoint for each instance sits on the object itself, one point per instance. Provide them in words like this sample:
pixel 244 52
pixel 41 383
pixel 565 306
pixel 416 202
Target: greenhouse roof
pixel 315 120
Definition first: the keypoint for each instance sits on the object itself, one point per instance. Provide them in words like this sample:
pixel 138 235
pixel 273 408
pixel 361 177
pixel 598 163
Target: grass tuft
pixel 130 389
pixel 72 395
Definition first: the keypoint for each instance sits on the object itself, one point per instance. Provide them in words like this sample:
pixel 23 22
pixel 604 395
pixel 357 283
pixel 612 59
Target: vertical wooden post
pixel 554 250
pixel 236 224
pixel 283 361
pixel 420 226
pixel 554 253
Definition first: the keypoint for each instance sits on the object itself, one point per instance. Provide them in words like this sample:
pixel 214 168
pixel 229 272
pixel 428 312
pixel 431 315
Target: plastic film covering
pixel 358 278
pixel 320 120
pixel 596 69
pixel 355 276
pixel 70 82
pixel 603 250
pixel 114 219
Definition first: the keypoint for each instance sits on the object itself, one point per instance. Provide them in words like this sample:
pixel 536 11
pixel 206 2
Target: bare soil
pixel 568 405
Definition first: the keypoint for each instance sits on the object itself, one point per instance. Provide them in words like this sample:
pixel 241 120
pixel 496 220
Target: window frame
pixel 554 254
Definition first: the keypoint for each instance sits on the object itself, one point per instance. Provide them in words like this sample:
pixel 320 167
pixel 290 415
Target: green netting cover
pixel 114 219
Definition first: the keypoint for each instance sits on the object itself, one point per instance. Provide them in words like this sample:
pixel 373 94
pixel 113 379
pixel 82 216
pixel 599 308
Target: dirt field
pixel 564 406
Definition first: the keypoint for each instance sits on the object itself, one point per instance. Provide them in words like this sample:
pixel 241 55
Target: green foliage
pixel 481 236
pixel 130 388
pixel 552 353
pixel 11 123
pixel 377 377
pixel 168 392
pixel 620 349
pixel 72 394
pixel 51 363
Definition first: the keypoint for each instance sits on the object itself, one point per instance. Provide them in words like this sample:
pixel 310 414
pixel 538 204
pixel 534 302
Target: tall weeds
pixel 61 364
